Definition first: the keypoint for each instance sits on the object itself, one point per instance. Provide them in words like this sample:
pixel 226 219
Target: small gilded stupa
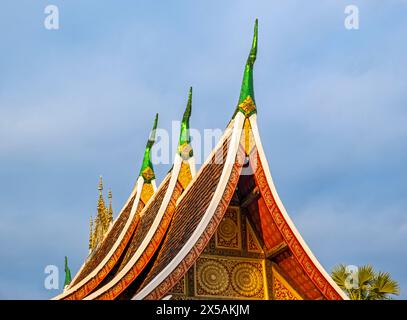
pixel 103 220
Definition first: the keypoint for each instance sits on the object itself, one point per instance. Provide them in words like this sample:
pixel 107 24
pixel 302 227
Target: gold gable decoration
pixel 228 235
pixel 247 106
pixel 229 277
pixel 146 192
pixel 248 138
pixel 253 244
pixel 148 174
pixel 185 175
pixel 185 151
pixel 282 290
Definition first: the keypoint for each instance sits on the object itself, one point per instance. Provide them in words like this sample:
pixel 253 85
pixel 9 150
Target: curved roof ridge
pixel 153 217
pixel 169 266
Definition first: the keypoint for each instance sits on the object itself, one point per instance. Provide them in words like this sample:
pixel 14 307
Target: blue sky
pixel 79 102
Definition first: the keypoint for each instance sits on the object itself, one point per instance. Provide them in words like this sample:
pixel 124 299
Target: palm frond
pixel 339 275
pixel 371 285
pixel 383 286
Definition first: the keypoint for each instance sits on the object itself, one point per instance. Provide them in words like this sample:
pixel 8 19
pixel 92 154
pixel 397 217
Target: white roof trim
pixel 163 207
pixel 231 155
pixel 226 134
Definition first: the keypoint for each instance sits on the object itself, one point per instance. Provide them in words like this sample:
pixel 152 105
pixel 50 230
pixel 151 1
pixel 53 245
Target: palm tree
pixel 364 283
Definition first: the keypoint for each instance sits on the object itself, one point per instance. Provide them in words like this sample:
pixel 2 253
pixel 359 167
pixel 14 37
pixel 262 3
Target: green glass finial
pixel 247 104
pixel 184 146
pixel 68 277
pixel 147 171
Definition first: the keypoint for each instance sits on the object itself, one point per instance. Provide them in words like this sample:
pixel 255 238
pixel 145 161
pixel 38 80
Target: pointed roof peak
pixel 184 134
pixel 147 171
pixel 68 277
pixel 253 51
pixel 246 102
pixel 187 113
pixel 184 144
pixel 151 138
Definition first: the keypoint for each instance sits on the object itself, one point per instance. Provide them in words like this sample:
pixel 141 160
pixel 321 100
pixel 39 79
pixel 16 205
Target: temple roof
pixel 154 218
pixel 203 205
pixel 171 230
pixel 106 254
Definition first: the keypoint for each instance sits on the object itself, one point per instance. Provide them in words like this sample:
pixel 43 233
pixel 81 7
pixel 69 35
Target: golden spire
pixel 110 212
pixel 100 188
pixel 91 235
pixel 98 231
pixel 102 210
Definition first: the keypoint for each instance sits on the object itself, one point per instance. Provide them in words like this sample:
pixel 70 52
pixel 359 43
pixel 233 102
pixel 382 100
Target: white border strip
pixel 226 134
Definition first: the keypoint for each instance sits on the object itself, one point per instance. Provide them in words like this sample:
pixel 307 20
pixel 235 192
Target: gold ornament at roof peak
pixel 248 106
pixel 147 174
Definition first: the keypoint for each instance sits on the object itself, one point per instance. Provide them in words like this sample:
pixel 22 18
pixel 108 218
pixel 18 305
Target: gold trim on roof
pixel 146 192
pixel 247 106
pixel 185 175
pixel 282 290
pixel 147 174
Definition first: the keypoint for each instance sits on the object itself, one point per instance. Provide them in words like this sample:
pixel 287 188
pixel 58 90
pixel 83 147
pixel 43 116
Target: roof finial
pixel 110 211
pixel 91 235
pixel 184 147
pixel 101 208
pixel 100 188
pixel 67 273
pixel 147 171
pixel 247 104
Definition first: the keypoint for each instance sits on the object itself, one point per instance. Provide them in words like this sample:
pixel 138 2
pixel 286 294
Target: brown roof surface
pixel 189 212
pixel 103 249
pixel 146 221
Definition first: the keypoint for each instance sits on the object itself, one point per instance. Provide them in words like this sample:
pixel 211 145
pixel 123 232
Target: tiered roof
pixel 177 223
pixel 105 255
pixel 155 218
pixel 202 207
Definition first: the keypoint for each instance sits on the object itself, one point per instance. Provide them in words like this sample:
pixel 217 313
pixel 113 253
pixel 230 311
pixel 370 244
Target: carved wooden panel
pixel 228 234
pixel 229 277
pixel 282 290
pixel 253 244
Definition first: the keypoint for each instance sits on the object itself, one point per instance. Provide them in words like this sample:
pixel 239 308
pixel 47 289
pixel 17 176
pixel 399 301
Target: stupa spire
pixel 91 234
pixel 101 208
pixel 110 211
